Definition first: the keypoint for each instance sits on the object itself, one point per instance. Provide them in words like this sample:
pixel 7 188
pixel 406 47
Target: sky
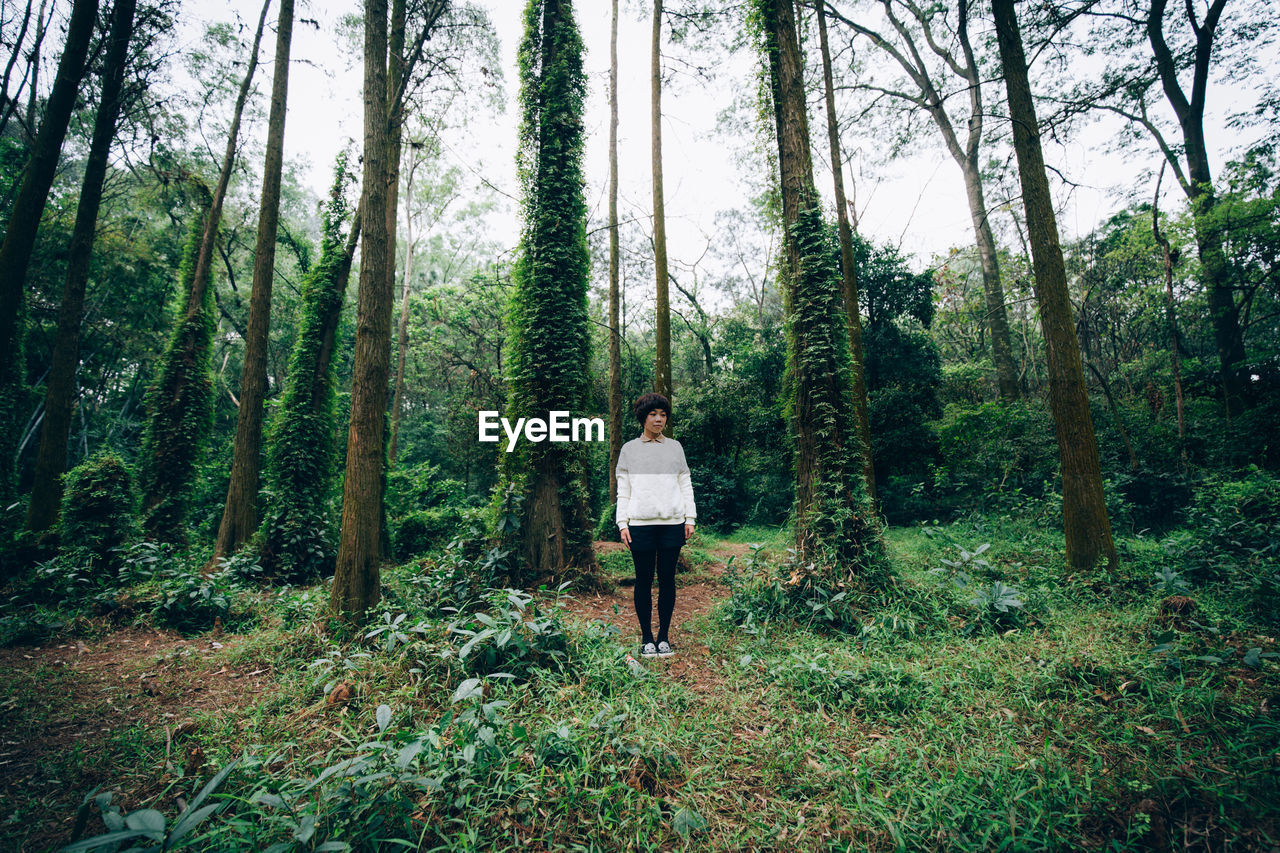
pixel 917 203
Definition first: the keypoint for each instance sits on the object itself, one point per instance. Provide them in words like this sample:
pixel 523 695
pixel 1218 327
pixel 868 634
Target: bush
pixel 514 636
pixel 996 455
pixel 719 493
pixel 1235 524
pixel 424 509
pixel 422 530
pixel 98 506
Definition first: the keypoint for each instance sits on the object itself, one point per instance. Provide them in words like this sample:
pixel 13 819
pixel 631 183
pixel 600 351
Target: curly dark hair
pixel 647 403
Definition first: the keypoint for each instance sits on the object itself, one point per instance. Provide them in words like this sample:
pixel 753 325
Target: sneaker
pixel 665 650
pixel 649 650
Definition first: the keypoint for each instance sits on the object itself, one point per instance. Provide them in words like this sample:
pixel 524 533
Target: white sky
pixel 918 202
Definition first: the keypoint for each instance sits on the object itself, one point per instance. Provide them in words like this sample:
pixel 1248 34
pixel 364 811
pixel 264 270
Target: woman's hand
pixel 688 532
pixel 626 536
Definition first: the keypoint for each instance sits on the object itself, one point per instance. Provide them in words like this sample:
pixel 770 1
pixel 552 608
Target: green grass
pixel 922 728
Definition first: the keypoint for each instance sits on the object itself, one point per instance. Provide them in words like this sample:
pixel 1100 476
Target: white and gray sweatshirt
pixel 654 486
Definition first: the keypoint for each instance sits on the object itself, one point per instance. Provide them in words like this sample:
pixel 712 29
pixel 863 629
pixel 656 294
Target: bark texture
pixel 60 391
pixel 240 513
pixel 1084 508
pixel 662 325
pixel 615 324
pixel 356 578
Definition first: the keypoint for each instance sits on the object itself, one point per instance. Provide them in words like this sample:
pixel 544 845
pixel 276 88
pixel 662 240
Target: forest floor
pixel 912 730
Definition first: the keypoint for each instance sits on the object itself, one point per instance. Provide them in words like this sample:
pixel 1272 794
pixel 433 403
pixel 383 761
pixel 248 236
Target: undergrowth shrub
pixel 875 688
pixel 513 635
pixel 424 509
pixel 1233 538
pixel 403 785
pixel 98 508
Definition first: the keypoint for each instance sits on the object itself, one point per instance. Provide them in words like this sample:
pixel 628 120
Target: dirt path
pixel 696 592
pixel 69 712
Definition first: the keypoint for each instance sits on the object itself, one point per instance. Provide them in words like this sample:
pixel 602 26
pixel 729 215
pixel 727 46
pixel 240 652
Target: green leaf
pixel 110 838
pixel 306 829
pixel 687 821
pixel 382 717
pixel 149 822
pixel 210 787
pixel 189 820
pixel 468 689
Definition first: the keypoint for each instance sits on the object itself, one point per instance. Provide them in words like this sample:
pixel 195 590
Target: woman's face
pixel 655 422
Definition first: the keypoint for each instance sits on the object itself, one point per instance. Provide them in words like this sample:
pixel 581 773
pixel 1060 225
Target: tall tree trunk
pixel 615 325
pixel 992 288
pixel 395 126
pixel 240 514
pixel 176 432
pixel 1084 508
pixel 24 222
pixel 60 393
pixel 1170 315
pixel 848 274
pixel 837 534
pixel 1197 183
pixel 356 578
pixel 662 327
pixel 402 330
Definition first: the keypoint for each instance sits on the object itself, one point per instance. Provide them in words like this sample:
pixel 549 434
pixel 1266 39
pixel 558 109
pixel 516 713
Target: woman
pixel 656 515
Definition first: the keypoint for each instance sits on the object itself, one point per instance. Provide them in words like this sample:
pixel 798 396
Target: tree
pixel 1161 53
pixel 296 535
pixel 51 459
pixel 548 321
pixel 1084 508
pixel 615 322
pixel 179 402
pixel 838 536
pixel 240 514
pixel 927 91
pixel 24 222
pixel 848 273
pixel 356 578
pixel 662 326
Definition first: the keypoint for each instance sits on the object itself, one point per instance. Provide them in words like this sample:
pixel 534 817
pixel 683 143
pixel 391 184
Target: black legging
pixel 665 559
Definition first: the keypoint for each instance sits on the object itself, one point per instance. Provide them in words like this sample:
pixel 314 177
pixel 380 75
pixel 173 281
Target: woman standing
pixel 656 515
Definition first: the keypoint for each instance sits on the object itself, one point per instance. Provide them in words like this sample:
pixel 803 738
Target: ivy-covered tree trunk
pixel 1084 509
pixel 24 222
pixel 838 537
pixel 180 401
pixel 848 273
pixel 60 391
pixel 356 578
pixel 662 324
pixel 296 540
pixel 615 322
pixel 240 513
pixel 548 320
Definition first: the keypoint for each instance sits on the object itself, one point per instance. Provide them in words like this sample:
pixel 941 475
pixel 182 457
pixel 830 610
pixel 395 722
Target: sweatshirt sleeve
pixel 686 490
pixel 624 488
